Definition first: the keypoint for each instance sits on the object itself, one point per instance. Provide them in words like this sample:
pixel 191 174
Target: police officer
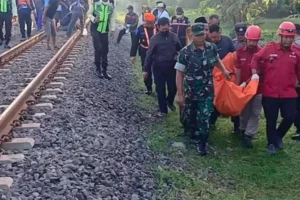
pixel 194 81
pixel 240 40
pixel 162 52
pixel 102 15
pixel 280 66
pixel 240 30
pixel 180 25
pixel 8 11
pixel 141 43
pixel 131 22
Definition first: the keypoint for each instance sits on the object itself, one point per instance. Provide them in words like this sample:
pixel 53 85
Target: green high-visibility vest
pixel 3 6
pixel 103 13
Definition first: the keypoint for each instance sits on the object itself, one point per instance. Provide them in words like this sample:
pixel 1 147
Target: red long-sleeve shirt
pixel 243 62
pixel 279 68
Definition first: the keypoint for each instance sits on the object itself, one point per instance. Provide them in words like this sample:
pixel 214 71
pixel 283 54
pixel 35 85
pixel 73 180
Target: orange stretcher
pixel 230 99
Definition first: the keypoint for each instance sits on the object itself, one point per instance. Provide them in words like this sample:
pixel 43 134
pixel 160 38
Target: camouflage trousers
pixel 195 118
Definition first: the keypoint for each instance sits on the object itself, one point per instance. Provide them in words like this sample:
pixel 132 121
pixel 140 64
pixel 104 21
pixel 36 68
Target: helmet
pixel 253 32
pixel 287 29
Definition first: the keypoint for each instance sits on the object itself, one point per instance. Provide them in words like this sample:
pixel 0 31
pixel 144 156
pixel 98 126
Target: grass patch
pixel 230 172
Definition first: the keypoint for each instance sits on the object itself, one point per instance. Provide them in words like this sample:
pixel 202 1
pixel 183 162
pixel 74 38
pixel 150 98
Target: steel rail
pixel 20 48
pixel 10 117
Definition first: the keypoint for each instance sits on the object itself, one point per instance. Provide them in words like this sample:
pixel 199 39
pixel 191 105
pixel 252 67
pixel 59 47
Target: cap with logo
pixel 240 28
pixel 198 29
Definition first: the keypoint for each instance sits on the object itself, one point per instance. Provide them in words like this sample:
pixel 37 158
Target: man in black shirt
pixel 162 53
pixel 224 45
pixel 214 19
pixel 48 21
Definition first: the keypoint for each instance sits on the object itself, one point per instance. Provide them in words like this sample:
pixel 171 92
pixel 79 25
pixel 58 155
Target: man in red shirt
pixel 249 118
pixel 279 63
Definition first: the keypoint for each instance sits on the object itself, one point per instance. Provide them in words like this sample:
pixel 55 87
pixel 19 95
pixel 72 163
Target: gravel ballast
pixel 15 36
pixel 26 65
pixel 90 146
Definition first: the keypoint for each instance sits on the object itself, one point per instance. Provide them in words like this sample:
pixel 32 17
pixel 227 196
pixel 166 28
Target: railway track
pixel 30 80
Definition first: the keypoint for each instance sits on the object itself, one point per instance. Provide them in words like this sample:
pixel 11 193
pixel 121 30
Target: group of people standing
pixel 46 12
pixel 181 58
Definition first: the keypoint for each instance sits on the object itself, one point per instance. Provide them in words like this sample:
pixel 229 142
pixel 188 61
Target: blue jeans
pixel 38 18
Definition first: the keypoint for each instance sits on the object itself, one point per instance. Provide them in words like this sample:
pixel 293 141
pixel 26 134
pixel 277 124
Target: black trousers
pixel 7 19
pixel 100 43
pixel 122 33
pixel 215 115
pixel 148 82
pixel 297 118
pixel 287 108
pixel 165 75
pixel 25 18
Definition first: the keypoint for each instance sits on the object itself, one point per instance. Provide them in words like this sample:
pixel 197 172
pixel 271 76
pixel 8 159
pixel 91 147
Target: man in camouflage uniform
pixel 194 80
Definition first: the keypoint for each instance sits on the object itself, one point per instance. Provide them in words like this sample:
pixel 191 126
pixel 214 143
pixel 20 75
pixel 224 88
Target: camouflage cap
pixel 198 29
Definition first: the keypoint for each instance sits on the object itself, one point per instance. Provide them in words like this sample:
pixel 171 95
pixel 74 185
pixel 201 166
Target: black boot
pixel 247 141
pixel 105 74
pixel 201 148
pixel 236 131
pixel 98 72
pixel 1 42
pixel 149 91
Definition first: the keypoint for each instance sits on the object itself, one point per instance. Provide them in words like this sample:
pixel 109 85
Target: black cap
pixel 130 7
pixel 240 28
pixel 158 2
pixel 179 9
pixel 201 20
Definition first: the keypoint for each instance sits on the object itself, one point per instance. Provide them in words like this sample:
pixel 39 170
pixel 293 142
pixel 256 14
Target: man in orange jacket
pixel 280 66
pixel 249 118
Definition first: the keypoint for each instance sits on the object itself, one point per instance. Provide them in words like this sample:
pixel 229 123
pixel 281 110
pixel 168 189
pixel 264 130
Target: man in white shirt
pixel 161 12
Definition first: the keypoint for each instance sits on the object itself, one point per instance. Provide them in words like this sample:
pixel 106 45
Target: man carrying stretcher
pixel 279 63
pixel 195 89
pixel 249 118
